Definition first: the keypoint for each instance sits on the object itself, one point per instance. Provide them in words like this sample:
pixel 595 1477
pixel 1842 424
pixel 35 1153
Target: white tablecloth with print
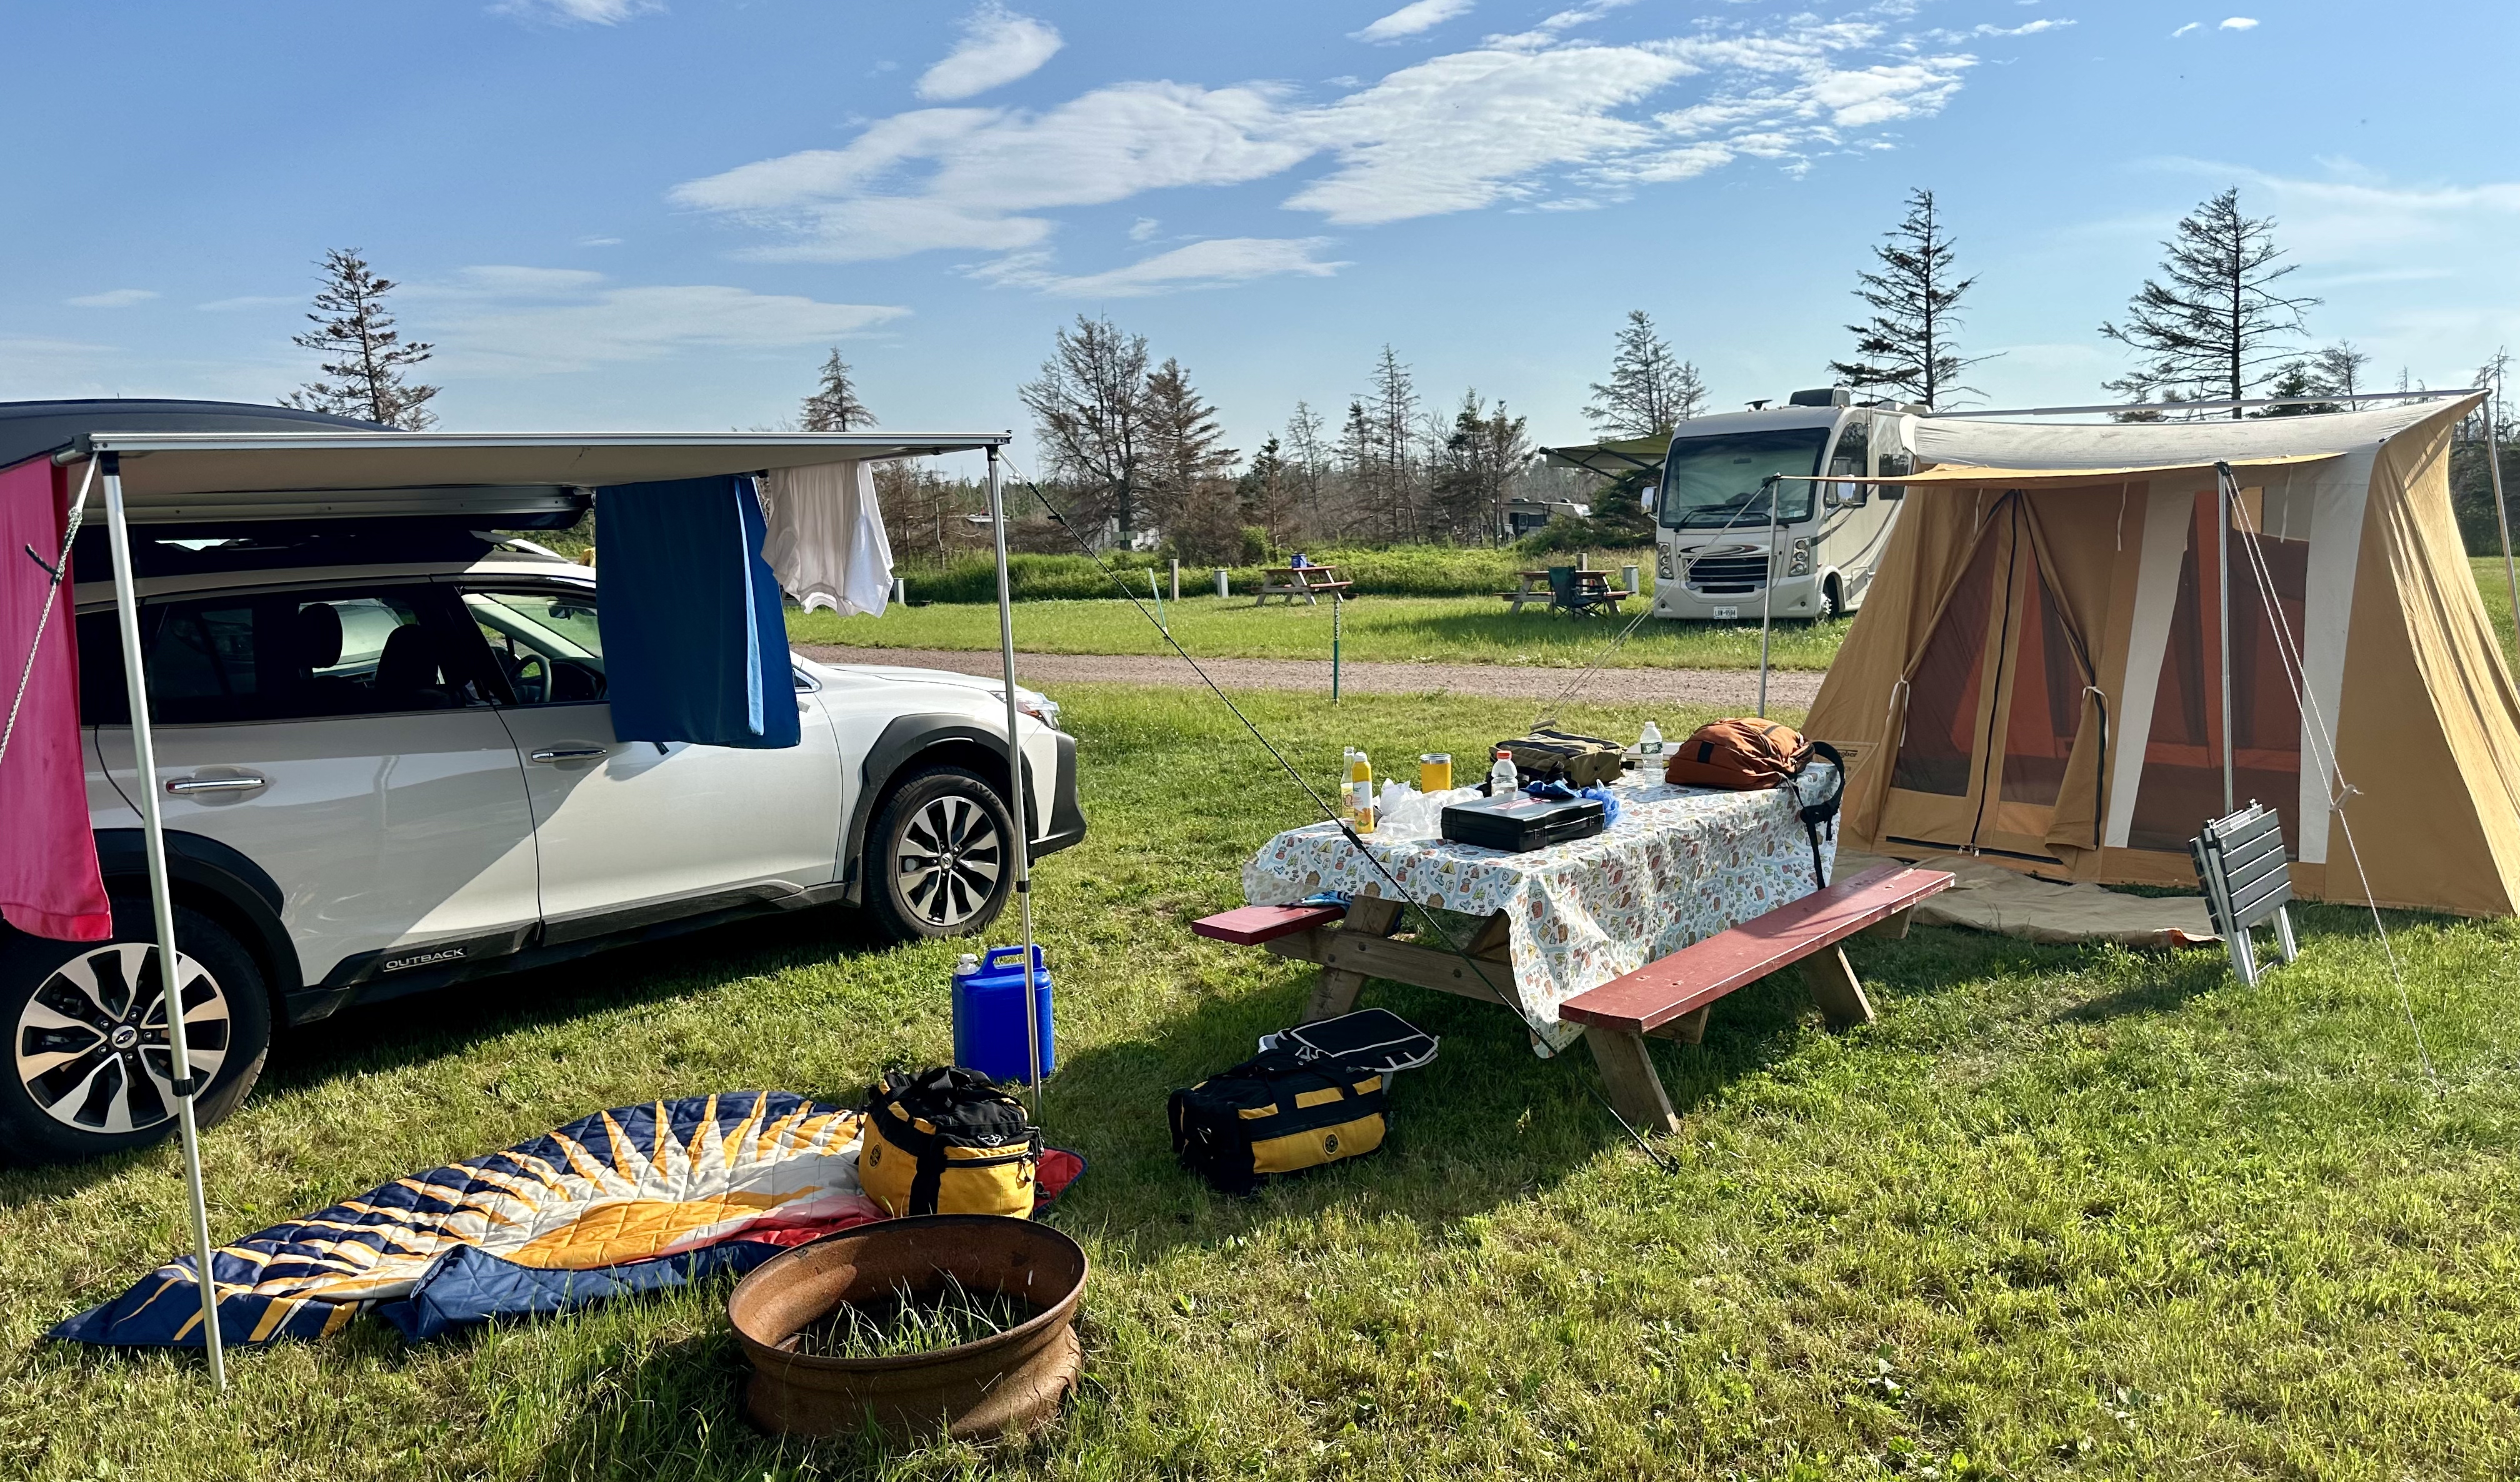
pixel 1680 865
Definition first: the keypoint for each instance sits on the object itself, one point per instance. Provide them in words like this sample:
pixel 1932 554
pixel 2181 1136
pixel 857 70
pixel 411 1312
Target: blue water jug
pixel 989 1013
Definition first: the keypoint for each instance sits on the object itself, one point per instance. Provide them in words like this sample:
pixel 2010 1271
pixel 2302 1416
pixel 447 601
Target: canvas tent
pixel 2036 675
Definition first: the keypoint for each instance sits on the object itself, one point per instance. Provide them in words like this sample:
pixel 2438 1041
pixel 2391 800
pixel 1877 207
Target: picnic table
pixel 1307 582
pixel 1575 590
pixel 1682 865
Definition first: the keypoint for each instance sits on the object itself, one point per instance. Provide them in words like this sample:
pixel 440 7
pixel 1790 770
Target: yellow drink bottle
pixel 1360 791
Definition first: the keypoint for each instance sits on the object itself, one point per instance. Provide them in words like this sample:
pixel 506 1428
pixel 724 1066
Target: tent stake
pixel 2223 494
pixel 1768 593
pixel 1021 851
pixel 161 901
pixel 2493 471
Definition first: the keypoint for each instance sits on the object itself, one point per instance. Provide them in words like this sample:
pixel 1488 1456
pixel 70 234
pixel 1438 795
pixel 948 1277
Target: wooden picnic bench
pixel 1667 999
pixel 1311 583
pixel 1574 590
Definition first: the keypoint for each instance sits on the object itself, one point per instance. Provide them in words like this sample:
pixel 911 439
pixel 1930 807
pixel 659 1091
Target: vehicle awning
pixel 193 478
pixel 1973 475
pixel 1610 460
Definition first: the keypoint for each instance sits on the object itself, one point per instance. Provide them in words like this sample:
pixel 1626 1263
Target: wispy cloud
pixel 1216 264
pixel 1534 119
pixel 578 12
pixel 249 301
pixel 2238 23
pixel 112 299
pixel 998 46
pixel 2184 30
pixel 1411 19
pixel 522 321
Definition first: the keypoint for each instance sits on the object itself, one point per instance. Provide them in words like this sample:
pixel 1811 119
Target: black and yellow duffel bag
pixel 1276 1113
pixel 948 1140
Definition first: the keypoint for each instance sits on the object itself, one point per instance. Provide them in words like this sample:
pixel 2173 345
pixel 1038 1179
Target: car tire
pixel 1831 603
pixel 936 859
pixel 82 1079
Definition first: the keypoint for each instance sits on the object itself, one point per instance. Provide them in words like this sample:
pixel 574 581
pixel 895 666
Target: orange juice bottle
pixel 1360 791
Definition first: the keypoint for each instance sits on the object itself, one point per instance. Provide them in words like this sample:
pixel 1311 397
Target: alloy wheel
pixel 92 1046
pixel 949 861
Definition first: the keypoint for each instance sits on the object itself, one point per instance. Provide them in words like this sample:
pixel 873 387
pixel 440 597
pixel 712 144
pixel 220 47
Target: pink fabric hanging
pixel 49 883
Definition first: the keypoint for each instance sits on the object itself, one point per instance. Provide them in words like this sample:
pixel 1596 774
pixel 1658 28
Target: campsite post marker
pixel 2223 495
pixel 1768 592
pixel 1337 607
pixel 161 901
pixel 1021 852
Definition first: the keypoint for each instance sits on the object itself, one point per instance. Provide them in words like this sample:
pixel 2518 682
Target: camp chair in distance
pixel 2240 863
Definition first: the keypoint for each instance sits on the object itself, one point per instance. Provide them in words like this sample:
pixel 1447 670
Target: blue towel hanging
pixel 695 642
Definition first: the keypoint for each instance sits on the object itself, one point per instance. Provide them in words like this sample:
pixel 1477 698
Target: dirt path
pixel 1738 688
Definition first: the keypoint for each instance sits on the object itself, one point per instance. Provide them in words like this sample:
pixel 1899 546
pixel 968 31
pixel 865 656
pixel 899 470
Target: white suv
pixel 382 777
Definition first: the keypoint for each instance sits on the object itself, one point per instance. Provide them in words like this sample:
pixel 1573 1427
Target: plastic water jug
pixel 989 1013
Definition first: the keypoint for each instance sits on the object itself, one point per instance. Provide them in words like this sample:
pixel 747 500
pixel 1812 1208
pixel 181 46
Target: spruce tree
pixel 1186 462
pixel 1911 346
pixel 369 376
pixel 1650 390
pixel 835 406
pixel 2212 327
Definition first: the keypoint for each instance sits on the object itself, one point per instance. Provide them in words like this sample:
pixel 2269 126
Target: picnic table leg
pixel 1628 1072
pixel 1335 992
pixel 1834 988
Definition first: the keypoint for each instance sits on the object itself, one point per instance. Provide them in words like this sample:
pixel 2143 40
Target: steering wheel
pixel 530 679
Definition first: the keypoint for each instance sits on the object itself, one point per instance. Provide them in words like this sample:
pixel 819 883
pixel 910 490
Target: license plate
pixel 1723 612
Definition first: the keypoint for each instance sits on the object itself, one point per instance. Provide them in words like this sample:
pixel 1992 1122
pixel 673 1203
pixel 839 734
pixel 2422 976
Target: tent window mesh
pixel 2181 785
pixel 2047 704
pixel 1942 699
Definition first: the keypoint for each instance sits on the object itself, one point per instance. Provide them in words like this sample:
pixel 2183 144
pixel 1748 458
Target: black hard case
pixel 1520 822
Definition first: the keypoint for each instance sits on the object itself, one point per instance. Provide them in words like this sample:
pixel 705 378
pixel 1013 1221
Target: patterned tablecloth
pixel 1680 865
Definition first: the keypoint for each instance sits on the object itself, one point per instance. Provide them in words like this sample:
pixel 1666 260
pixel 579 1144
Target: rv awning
pixel 1973 475
pixel 193 478
pixel 1610 460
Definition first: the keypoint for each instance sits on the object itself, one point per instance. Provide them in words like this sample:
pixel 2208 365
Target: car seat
pixel 408 671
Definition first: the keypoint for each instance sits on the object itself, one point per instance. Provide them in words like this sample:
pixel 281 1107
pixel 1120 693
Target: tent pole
pixel 2502 515
pixel 153 831
pixel 2222 496
pixel 1021 852
pixel 1767 594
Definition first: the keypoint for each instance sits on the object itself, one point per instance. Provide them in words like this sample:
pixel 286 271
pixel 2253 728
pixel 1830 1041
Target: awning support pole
pixel 1021 852
pixel 153 831
pixel 1768 595
pixel 2223 494
pixel 2493 471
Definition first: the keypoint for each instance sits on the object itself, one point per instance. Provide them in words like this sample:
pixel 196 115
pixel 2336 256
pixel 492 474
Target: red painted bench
pixel 1655 997
pixel 1250 926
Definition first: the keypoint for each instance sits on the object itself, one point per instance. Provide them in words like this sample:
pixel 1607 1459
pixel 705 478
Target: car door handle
pixel 566 753
pixel 243 781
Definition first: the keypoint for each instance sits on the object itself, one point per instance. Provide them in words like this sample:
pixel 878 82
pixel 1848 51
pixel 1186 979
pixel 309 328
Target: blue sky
pixel 611 213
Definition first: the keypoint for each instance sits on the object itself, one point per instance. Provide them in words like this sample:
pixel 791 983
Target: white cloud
pixel 581 12
pixel 597 242
pixel 1523 120
pixel 2238 23
pixel 1215 263
pixel 1144 229
pixel 249 301
pixel 998 46
pixel 1410 18
pixel 2184 30
pixel 112 299
pixel 519 321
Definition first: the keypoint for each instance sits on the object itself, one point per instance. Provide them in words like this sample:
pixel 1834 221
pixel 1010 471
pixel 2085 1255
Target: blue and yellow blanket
pixel 632 1199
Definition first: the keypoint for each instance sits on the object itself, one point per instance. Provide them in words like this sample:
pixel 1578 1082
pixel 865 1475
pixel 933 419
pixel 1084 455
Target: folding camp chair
pixel 2240 863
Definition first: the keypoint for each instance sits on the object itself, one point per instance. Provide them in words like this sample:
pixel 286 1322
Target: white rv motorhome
pixel 1712 558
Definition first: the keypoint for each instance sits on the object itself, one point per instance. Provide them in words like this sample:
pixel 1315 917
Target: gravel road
pixel 1734 688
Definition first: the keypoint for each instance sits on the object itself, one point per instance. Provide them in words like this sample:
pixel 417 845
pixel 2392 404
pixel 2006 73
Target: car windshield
pixel 1713 481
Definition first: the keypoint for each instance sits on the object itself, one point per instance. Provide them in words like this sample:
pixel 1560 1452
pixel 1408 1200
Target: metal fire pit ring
pixel 1012 1381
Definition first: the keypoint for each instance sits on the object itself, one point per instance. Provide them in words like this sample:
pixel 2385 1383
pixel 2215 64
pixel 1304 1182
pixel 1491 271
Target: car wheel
pixel 90 1070
pixel 1831 603
pixel 937 857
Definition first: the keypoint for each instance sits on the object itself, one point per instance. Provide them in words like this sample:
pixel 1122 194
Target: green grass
pixel 1377 571
pixel 1432 629
pixel 2065 1212
pixel 2494 585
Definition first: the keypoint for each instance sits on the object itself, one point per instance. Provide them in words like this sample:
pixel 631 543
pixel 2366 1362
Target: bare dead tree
pixel 1650 390
pixel 1088 408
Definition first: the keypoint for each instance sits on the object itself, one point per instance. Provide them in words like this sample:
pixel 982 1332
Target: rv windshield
pixel 1713 481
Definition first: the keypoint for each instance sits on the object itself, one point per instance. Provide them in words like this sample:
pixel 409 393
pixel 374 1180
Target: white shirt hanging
pixel 826 539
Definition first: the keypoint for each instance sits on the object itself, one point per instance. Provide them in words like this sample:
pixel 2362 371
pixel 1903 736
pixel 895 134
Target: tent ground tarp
pixel 1986 896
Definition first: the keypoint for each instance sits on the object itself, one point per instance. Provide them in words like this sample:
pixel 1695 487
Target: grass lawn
pixel 2062 1213
pixel 1435 629
pixel 2494 584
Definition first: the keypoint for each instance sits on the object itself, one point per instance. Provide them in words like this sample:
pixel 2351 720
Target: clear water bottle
pixel 1503 780
pixel 1649 744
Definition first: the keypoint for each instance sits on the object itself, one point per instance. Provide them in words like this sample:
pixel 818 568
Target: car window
pixel 280 656
pixel 545 642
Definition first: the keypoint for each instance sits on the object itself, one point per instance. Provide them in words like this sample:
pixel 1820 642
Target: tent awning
pixel 1973 475
pixel 208 476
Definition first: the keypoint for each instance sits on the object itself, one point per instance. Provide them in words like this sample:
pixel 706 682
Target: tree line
pixel 1133 455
